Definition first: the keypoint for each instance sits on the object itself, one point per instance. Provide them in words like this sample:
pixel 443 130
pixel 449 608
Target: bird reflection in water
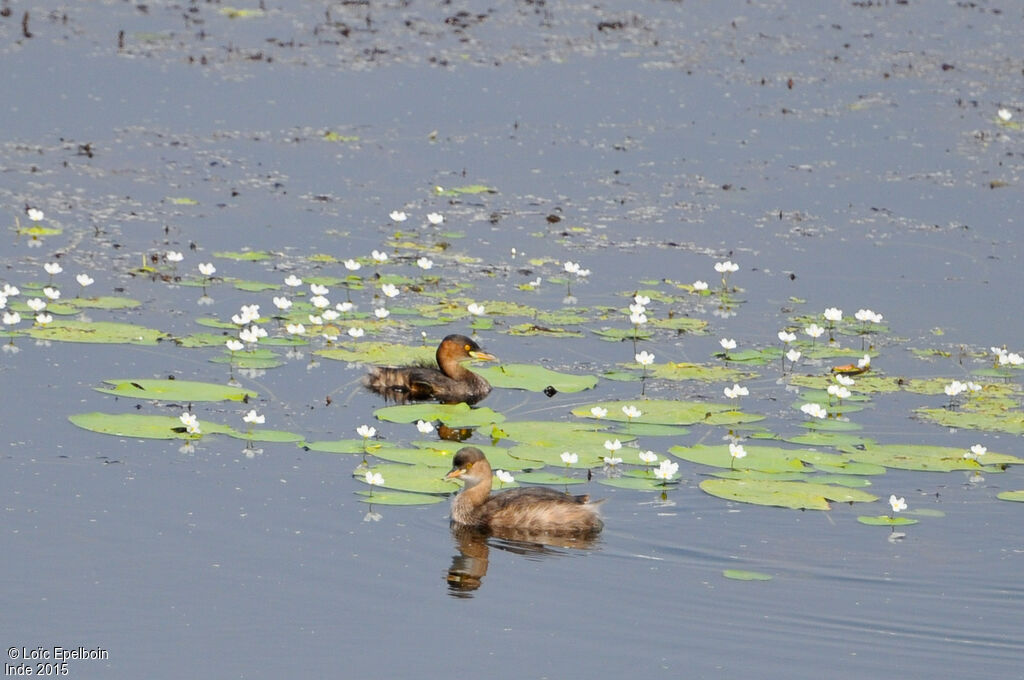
pixel 469 565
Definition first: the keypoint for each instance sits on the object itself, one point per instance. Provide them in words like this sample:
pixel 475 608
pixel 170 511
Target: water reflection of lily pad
pixel 925 457
pixel 788 494
pixel 383 497
pixel 535 378
pixel 669 412
pixel 176 390
pixel 454 415
pixel 97 332
pixel 142 426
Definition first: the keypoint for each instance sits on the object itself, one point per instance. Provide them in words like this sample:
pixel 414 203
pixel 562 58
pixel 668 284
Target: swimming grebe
pixel 528 508
pixel 451 382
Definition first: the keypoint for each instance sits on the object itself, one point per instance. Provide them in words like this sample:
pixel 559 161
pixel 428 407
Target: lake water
pixel 849 156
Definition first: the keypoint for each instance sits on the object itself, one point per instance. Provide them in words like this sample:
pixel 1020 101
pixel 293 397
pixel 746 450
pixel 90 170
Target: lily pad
pixel 704 372
pixel 142 426
pixel 385 497
pixel 454 415
pixel 743 575
pixel 638 483
pixel 795 495
pixel 549 478
pixel 349 446
pixel 107 302
pixel 500 458
pixel 759 458
pixel 885 520
pixel 381 354
pixel 1017 496
pixel 669 412
pixel 924 457
pixel 175 390
pixel 468 189
pixel 417 478
pixel 97 332
pixel 1011 422
pixel 245 256
pixel 535 378
pixel 552 435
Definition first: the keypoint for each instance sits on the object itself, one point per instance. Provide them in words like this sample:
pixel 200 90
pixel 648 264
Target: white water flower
pixel 786 336
pixel 814 410
pixel 356 332
pixel 726 267
pixel 390 290
pixel 699 285
pixel 381 313
pixel 52 293
pixel 35 214
pixel 598 412
pixel 174 256
pixel 648 457
pixel 424 427
pixel 365 431
pixel 53 268
pixel 793 355
pixel 504 477
pixel 727 343
pixel 897 504
pixel 845 380
pixel 84 280
pixel 638 318
pixel 630 411
pixel 295 328
pixel 666 470
pixel 814 330
pixel 374 478
pixel 641 300
pixel 569 458
pixel 36 305
pixel 282 303
pixel 833 314
pixel 644 358
pixel 737 451
pixel 424 263
pixel 435 218
pixel 379 257
pixel 736 391
pixel 234 345
pixel 253 417
pixel 398 216
pixel 475 309
pixel 207 268
pixel 352 265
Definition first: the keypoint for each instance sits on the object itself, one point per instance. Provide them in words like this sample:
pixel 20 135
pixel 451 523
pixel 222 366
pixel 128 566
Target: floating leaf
pixel 381 354
pixel 1017 496
pixel 468 189
pixel 795 495
pixel 335 137
pixel 384 497
pixel 743 575
pixel 418 478
pixel 175 390
pixel 254 286
pixel 273 436
pixel 835 439
pixel 668 412
pixel 679 323
pixel 553 436
pixel 453 415
pixel 551 478
pixel 885 520
pixel 500 458
pixel 349 446
pixel 97 332
pixel 621 334
pixel 705 372
pixel 142 426
pixel 1011 422
pixel 761 458
pixel 107 302
pixel 650 430
pixel 535 378
pixel 637 483
pixel 245 256
pixel 924 457
pixel 549 331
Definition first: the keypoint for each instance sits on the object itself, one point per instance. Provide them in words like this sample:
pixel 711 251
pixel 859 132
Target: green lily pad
pixel 245 256
pixel 759 458
pixel 417 478
pixel 535 378
pixel 621 334
pixel 142 426
pixel 454 415
pixel 468 189
pixel 254 286
pixel 349 446
pixel 97 332
pixel 549 478
pixel 885 520
pixel 638 483
pixel 381 354
pixel 788 494
pixel 1017 496
pixel 1011 422
pixel 683 324
pixel 203 340
pixel 539 438
pixel 743 575
pixel 273 436
pixel 669 412
pixel 834 439
pixel 175 390
pixel 385 497
pixel 649 430
pixel 925 457
pixel 107 302
pixel 500 458
pixel 527 329
pixel 703 372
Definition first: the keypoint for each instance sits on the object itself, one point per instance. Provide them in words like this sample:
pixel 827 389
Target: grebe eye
pixel 468 348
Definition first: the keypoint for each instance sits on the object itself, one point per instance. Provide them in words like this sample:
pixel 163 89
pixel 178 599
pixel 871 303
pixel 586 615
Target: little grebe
pixel 452 383
pixel 529 508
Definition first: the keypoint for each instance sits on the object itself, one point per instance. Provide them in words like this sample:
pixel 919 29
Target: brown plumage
pixel 528 508
pixel 450 382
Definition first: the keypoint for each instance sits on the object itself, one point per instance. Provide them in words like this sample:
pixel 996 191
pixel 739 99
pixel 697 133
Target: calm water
pixel 667 137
